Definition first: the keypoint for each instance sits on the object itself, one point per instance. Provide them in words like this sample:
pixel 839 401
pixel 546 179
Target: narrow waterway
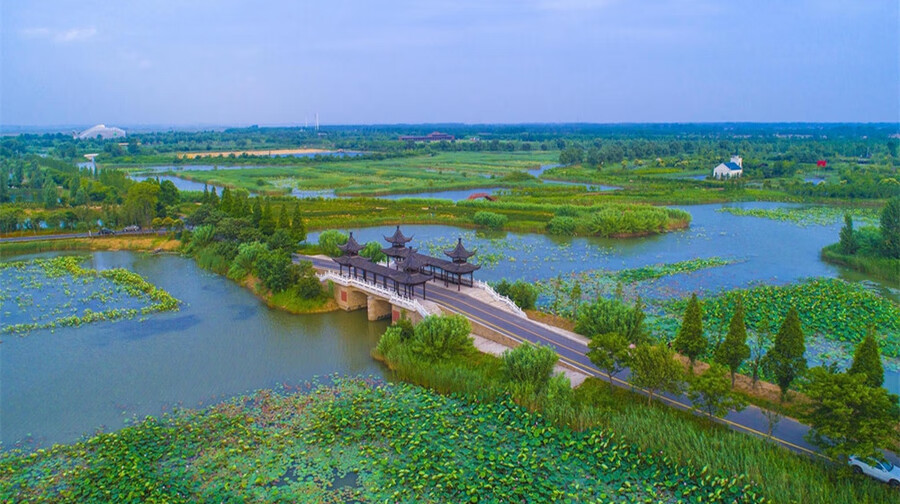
pixel 58 385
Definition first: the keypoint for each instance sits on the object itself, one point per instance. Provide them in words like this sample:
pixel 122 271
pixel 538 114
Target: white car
pixel 881 470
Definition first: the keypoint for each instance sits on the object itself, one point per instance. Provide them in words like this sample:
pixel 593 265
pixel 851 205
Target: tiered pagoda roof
pixel 412 262
pixel 352 247
pixel 459 254
pixel 398 239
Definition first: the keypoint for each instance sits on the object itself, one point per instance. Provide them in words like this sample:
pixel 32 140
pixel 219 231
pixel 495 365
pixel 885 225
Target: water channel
pixel 58 385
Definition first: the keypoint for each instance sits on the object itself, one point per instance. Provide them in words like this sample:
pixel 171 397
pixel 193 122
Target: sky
pixel 279 62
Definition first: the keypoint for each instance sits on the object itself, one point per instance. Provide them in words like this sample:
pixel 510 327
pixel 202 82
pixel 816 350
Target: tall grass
pixel 782 476
pixel 882 267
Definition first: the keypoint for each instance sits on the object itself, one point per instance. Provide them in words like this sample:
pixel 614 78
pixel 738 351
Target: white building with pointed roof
pixel 731 169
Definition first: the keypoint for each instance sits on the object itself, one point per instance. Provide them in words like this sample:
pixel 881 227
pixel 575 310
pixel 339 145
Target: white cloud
pixel 75 34
pixel 60 36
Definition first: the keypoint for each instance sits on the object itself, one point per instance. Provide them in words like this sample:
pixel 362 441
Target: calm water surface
pixel 57 386
pixel 223 342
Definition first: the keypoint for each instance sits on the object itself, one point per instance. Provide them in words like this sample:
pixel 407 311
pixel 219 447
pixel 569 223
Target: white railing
pixel 503 299
pixel 392 297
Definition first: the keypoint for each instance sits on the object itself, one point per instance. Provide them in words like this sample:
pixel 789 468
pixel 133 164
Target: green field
pixel 365 177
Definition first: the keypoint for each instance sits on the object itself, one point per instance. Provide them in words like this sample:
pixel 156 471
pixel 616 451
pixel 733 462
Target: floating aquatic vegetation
pixel 808 215
pixel 828 307
pixel 71 295
pixel 556 293
pixel 359 441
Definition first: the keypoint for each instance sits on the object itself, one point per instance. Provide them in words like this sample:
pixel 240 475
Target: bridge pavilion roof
pixel 398 239
pixel 401 277
pixel 352 247
pixel 457 268
pixel 459 254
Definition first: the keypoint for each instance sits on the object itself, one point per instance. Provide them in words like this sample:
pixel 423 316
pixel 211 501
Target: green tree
pixel 890 228
pixel 654 368
pixel 80 197
pixel 276 270
pixel 711 392
pixel 786 360
pixel 848 417
pixel 372 250
pixel 442 337
pixel 168 193
pixel 848 242
pixel 690 340
pixel 635 328
pixel 867 361
pixel 267 222
pixel 140 202
pixel 257 214
pixel 283 240
pixel 734 350
pixel 761 340
pixel 283 219
pixel 329 241
pixel 575 298
pixel 50 194
pixel 226 204
pixel 529 366
pixel 609 352
pixel 297 226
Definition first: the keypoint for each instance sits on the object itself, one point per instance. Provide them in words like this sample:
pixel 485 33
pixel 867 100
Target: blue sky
pixel 190 62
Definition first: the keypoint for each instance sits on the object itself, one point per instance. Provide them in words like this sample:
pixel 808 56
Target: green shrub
pixel 372 250
pixel 243 262
pixel 329 241
pixel 529 365
pixel 610 316
pixel 276 270
pixel 442 337
pixel 520 292
pixel 489 219
pixel 563 226
pixel 390 340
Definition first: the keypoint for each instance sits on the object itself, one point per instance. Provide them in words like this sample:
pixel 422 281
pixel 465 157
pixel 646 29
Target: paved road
pixel 73 235
pixel 788 432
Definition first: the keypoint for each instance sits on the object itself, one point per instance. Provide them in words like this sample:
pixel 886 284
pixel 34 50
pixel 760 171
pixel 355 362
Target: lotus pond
pixel 58 292
pixel 720 252
pixel 358 441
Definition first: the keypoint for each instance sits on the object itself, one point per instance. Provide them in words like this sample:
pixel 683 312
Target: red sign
pixel 821 163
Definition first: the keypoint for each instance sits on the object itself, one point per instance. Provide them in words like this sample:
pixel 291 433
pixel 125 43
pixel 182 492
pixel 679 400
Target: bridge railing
pixel 392 297
pixel 503 299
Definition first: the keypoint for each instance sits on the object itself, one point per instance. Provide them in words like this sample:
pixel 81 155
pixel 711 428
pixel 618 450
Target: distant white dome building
pixel 101 131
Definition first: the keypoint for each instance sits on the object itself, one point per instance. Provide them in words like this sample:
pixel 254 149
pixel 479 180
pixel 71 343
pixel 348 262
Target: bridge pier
pixel 349 299
pixel 378 308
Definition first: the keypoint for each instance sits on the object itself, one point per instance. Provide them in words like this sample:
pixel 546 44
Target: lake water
pixel 57 386
pixel 223 342
pixel 180 183
pixel 766 250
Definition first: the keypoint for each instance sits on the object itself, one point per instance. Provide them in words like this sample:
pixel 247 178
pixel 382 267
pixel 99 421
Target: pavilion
pixel 453 271
pixel 402 280
pixel 412 268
